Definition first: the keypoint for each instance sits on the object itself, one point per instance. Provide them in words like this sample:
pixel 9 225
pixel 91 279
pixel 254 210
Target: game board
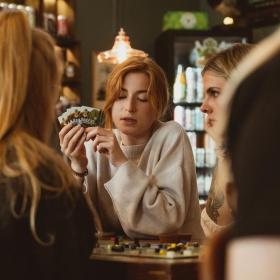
pixel 146 248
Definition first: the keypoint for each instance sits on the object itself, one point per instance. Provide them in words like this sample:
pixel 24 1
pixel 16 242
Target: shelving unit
pixel 57 17
pixel 187 99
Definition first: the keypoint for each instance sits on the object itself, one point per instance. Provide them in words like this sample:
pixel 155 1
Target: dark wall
pixel 99 21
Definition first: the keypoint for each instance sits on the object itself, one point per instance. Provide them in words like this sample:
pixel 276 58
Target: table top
pixel 144 260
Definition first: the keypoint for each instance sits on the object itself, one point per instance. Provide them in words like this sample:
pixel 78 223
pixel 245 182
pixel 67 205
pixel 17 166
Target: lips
pixel 129 120
pixel 210 122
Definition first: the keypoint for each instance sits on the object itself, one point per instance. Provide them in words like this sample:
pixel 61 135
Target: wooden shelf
pixel 187 104
pixel 47 14
pixel 71 82
pixel 66 42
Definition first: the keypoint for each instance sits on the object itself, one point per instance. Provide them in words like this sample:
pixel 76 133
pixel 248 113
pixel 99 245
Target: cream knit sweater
pixel 154 192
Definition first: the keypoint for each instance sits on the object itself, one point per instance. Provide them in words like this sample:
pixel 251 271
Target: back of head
pixel 43 87
pixel 29 89
pixel 253 142
pixel 158 92
pixel 14 60
pixel 29 77
pixel 225 61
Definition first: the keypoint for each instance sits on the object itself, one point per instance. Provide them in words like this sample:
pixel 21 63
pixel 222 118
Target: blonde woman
pixel 46 230
pixel 218 212
pixel 141 175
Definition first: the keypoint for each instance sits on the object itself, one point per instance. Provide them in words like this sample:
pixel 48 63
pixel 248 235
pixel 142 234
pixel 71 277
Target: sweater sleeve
pixel 156 202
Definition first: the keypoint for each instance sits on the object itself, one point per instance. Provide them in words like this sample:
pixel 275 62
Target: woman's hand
pixel 72 140
pixel 105 142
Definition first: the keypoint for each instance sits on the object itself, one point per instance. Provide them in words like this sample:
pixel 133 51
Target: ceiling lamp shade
pixel 121 50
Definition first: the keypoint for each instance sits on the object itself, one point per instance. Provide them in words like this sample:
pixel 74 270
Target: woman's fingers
pixel 102 139
pixel 104 147
pixel 79 145
pixel 75 140
pixel 68 136
pixel 64 131
pixel 93 131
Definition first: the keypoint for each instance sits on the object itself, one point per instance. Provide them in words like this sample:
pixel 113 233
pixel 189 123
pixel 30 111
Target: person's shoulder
pixel 170 128
pixel 170 133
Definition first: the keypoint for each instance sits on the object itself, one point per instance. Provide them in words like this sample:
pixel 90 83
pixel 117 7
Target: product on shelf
pixel 57 18
pixel 62 26
pixel 179 87
pixel 191 84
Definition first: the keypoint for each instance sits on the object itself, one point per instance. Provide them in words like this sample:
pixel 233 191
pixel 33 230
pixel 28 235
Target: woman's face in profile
pixel 213 86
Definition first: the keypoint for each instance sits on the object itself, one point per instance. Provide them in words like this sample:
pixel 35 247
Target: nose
pixel 205 108
pixel 130 105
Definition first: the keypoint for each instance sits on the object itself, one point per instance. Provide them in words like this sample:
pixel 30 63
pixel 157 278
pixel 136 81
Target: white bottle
pixel 179 87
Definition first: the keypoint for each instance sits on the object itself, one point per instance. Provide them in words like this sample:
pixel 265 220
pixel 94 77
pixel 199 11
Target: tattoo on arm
pixel 215 199
pixel 214 203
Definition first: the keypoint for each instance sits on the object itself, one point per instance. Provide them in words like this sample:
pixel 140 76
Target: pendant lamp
pixel 120 51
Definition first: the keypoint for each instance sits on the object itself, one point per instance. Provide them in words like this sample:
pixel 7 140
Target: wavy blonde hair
pixel 158 93
pixel 29 81
pixel 223 63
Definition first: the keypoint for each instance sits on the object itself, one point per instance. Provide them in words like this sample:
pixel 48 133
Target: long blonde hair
pixel 158 93
pixel 29 81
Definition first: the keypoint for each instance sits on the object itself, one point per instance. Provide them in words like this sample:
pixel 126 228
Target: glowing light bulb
pixel 228 21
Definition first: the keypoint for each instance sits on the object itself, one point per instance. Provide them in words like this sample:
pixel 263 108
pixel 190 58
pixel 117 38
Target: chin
pixel 127 130
pixel 209 129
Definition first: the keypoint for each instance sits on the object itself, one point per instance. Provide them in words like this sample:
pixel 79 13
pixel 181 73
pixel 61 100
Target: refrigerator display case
pixel 181 54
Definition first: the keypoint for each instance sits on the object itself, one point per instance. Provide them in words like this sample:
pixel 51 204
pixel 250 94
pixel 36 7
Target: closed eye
pixel 141 99
pixel 121 97
pixel 142 96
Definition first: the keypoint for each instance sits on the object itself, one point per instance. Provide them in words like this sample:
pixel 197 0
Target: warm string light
pixel 120 51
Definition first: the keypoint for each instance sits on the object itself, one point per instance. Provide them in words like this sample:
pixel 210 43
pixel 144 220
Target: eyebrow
pixel 212 88
pixel 138 91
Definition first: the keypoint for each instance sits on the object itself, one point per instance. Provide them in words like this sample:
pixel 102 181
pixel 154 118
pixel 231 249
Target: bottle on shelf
pixel 70 70
pixel 179 87
pixel 193 139
pixel 62 26
pixel 194 85
pixel 199 119
pixel 190 84
pixel 199 86
pixel 50 23
pixel 189 119
pixel 200 183
pixel 179 115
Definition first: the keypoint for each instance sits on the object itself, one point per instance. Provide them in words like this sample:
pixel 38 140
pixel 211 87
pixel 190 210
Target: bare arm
pixel 217 207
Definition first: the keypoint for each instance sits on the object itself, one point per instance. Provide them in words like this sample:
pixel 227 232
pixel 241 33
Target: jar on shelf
pixel 62 26
pixel 69 70
pixel 50 23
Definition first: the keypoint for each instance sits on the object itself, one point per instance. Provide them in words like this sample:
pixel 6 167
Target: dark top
pixel 21 257
pixel 254 139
